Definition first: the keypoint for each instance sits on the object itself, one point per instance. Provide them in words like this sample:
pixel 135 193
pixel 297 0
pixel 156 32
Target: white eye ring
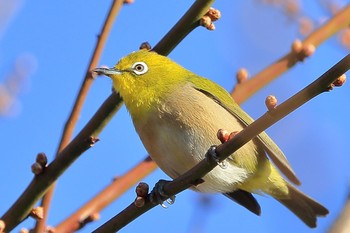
pixel 139 68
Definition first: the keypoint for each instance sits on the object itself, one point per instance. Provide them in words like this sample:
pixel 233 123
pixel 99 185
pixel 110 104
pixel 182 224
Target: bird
pixel 177 115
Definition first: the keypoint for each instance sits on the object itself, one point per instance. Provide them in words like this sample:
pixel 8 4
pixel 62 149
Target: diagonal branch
pixel 41 183
pixel 246 89
pixel 188 22
pixel 322 84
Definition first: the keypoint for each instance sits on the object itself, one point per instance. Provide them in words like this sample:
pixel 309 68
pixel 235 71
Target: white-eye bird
pixel 177 115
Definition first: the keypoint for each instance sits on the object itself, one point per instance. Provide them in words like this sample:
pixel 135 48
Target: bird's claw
pixel 212 155
pixel 158 196
pixel 170 201
pixel 222 164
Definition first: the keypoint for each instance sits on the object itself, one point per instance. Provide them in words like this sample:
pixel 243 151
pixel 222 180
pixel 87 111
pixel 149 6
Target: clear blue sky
pixel 56 39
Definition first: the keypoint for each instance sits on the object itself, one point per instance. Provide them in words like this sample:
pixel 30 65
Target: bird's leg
pixel 158 196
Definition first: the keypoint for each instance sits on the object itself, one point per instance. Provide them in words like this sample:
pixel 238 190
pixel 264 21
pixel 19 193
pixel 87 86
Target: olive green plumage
pixel 177 115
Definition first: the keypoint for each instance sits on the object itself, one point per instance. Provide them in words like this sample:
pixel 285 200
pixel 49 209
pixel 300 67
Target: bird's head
pixel 143 78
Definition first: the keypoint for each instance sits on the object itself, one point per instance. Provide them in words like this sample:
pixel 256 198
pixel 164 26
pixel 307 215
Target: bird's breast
pixel 179 130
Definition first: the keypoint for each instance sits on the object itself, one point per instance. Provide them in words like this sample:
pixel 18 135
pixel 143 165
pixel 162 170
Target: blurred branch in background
pixel 306 24
pixel 8 10
pixel 300 50
pixel 17 77
pixel 294 10
pixel 14 83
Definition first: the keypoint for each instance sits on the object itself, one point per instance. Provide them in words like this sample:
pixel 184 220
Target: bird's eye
pixel 139 68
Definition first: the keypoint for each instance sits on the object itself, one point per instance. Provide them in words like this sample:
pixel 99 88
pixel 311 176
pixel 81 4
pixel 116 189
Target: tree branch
pixel 186 180
pixel 188 22
pixel 40 184
pixel 244 90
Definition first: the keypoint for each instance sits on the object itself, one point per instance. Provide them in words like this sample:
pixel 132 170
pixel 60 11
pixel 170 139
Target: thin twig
pixel 224 150
pixel 188 22
pixel 246 89
pixel 79 102
pixel 40 184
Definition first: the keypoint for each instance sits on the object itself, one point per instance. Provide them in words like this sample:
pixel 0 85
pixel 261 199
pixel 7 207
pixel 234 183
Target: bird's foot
pixel 211 155
pixel 158 196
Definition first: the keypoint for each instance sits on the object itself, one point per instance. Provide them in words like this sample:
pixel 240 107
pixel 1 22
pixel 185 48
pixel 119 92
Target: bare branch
pixel 188 22
pixel 246 89
pixel 40 184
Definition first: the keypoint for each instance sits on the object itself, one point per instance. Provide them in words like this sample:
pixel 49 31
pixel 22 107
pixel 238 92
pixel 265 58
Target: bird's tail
pixel 303 206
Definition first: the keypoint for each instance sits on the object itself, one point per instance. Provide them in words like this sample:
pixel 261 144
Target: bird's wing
pixel 224 99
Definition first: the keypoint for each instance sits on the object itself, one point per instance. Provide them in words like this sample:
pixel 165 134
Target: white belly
pixel 178 137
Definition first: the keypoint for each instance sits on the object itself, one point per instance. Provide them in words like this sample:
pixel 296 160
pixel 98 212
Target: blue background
pixel 53 42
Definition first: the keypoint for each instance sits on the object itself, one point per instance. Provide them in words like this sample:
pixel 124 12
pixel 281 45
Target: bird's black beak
pixel 106 71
